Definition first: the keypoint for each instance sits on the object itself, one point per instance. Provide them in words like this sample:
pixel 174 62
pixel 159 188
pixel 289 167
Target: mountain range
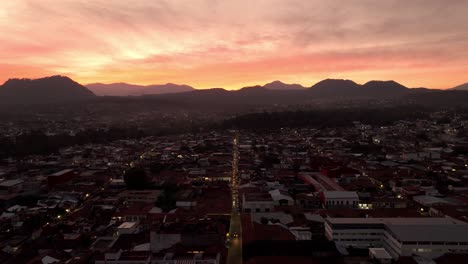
pixel 61 89
pixel 125 89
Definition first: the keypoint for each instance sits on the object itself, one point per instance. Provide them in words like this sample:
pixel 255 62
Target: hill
pixel 334 87
pixel 277 85
pixel 462 87
pixel 54 89
pixel 384 88
pixel 348 89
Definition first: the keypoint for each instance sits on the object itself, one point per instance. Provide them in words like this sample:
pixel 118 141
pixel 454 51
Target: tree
pixel 167 200
pixel 156 167
pixel 135 178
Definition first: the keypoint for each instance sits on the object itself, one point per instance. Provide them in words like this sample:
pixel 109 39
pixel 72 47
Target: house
pixel 128 228
pixel 124 257
pixel 11 186
pixel 60 177
pixel 171 258
pixel 144 196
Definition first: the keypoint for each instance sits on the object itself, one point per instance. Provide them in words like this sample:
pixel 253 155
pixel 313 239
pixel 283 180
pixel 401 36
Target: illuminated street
pixel 235 230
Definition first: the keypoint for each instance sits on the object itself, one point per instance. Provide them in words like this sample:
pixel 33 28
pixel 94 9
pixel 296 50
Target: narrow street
pixel 235 230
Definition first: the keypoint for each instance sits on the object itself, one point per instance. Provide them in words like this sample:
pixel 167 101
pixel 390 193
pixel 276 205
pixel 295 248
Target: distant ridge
pixel 334 85
pixel 59 89
pixel 125 89
pixel 384 85
pixel 54 89
pixel 348 88
pixel 278 85
pixel 462 87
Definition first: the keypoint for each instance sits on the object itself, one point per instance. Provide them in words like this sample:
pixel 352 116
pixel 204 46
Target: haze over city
pixel 232 44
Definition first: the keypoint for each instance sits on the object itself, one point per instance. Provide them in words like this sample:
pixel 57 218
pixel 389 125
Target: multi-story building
pixel 340 199
pixel 143 196
pixel 428 237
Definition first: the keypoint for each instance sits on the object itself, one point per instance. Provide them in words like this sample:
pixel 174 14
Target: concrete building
pixel 171 258
pixel 339 199
pixel 128 228
pixel 427 237
pixel 281 197
pixel 257 202
pixel 11 186
pixel 144 196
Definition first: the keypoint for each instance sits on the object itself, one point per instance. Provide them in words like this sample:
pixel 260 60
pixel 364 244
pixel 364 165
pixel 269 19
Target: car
pixel 228 243
pixel 235 234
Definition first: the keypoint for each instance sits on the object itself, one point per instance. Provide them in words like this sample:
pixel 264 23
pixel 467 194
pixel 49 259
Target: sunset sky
pixel 231 44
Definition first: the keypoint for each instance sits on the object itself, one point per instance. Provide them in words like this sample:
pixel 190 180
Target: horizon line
pixel 228 89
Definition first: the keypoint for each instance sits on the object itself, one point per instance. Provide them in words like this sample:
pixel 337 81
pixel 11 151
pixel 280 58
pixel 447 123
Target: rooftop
pixel 10 183
pixel 126 225
pixel 431 233
pixel 62 172
pixel 340 195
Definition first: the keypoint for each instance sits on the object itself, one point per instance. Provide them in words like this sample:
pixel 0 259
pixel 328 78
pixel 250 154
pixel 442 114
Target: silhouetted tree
pixel 156 167
pixel 135 178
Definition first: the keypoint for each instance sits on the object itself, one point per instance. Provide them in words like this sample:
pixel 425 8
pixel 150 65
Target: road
pixel 235 248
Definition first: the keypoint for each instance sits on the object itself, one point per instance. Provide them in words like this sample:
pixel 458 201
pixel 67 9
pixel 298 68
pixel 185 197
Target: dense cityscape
pixel 360 193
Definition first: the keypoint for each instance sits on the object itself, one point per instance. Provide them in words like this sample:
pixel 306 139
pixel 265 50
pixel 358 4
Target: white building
pixel 281 197
pixel 427 237
pixel 257 202
pixel 194 258
pixel 340 199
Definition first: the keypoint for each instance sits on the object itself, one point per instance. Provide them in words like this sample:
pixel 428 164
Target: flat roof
pixel 380 253
pixel 430 233
pixel 127 225
pixel 340 194
pixel 60 173
pixel 429 200
pixel 428 229
pixel 396 220
pixel 10 183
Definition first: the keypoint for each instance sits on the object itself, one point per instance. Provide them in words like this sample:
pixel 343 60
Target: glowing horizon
pixel 232 44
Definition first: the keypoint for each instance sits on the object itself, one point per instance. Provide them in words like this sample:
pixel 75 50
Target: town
pixel 361 193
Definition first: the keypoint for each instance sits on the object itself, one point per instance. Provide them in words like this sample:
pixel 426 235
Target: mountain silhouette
pixel 125 89
pixel 383 88
pixel 54 89
pixel 278 85
pixel 335 87
pixel 462 87
pixel 347 88
pixel 59 89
